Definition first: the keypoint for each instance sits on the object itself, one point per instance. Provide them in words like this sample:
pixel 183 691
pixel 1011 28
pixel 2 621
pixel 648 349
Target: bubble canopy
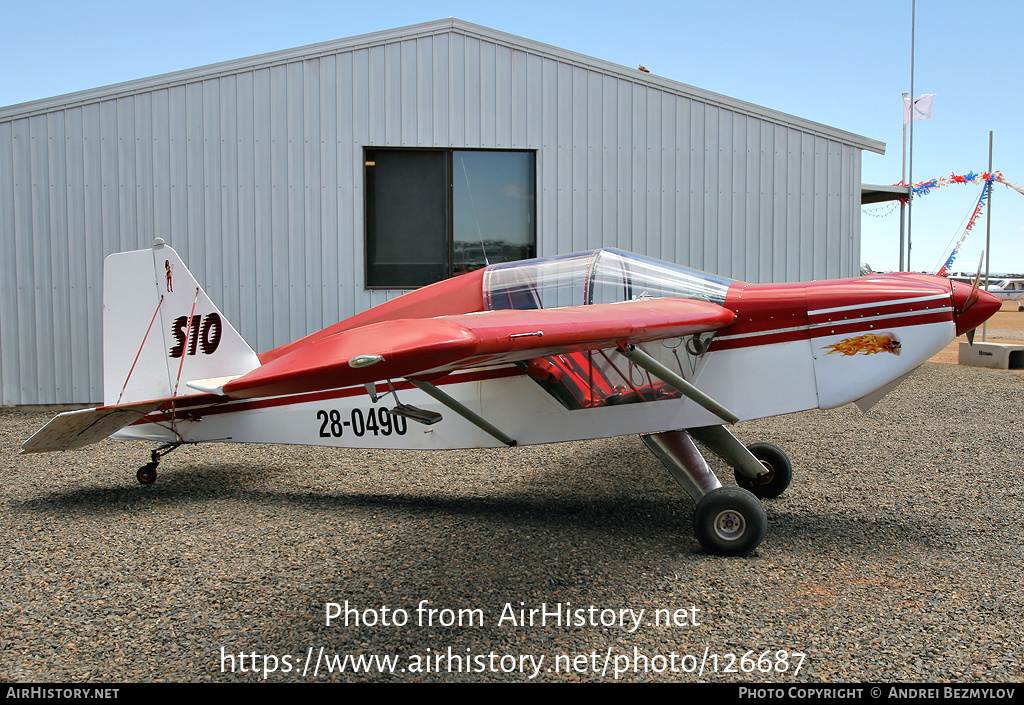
pixel 595 277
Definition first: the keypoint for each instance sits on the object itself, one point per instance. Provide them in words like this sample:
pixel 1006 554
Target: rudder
pixel 160 329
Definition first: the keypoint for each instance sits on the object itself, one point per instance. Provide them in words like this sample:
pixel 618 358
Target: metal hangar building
pixel 307 185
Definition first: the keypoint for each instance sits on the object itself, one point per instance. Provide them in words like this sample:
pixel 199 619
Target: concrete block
pixel 999 356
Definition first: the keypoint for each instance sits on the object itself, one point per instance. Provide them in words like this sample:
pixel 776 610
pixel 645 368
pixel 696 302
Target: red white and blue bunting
pixel 985 178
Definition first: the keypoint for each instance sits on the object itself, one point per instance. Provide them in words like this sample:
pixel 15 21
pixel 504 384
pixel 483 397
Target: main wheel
pixel 147 474
pixel 778 477
pixel 730 521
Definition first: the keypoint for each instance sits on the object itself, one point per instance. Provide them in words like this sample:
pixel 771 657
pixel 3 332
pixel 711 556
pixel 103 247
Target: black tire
pixel 730 521
pixel 780 471
pixel 147 474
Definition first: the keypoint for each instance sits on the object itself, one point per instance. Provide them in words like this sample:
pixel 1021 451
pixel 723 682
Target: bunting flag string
pixel 967 231
pixel 923 188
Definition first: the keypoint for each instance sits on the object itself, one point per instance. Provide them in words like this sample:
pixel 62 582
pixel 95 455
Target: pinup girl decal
pixel 167 268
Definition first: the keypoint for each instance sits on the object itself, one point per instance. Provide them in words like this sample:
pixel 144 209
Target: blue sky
pixel 841 64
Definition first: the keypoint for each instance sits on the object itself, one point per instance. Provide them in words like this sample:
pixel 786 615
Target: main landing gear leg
pixel 762 468
pixel 147 473
pixel 728 521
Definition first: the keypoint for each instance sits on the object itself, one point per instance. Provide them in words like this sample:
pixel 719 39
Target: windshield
pixel 595 277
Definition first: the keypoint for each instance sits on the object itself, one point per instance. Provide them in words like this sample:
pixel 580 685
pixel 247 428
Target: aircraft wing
pixel 430 346
pixel 75 429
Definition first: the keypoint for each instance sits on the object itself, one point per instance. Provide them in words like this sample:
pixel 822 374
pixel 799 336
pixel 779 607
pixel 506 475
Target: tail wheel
pixel 147 474
pixel 778 475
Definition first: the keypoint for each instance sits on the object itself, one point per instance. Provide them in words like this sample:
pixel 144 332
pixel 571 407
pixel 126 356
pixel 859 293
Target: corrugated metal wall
pixel 255 177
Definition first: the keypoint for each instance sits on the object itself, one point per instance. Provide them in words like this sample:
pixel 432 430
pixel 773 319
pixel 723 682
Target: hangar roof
pixel 422 30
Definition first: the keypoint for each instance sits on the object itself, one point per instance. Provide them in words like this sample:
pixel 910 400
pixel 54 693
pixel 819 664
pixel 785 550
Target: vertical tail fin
pixel 160 329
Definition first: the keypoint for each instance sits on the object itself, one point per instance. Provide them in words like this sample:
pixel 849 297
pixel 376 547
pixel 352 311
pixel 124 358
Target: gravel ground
pixel 895 556
pixel 1004 334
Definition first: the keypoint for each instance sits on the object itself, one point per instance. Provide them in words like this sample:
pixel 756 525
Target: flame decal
pixel 868 344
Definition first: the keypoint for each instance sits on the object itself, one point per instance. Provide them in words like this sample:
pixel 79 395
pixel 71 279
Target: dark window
pixel 431 214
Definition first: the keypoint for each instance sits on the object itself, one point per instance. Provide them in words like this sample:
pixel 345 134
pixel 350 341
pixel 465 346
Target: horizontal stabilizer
pixel 76 429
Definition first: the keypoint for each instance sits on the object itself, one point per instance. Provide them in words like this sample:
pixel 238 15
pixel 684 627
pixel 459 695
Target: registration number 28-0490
pixel 376 420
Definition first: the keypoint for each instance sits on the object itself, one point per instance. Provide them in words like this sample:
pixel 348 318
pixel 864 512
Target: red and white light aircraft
pixel 588 345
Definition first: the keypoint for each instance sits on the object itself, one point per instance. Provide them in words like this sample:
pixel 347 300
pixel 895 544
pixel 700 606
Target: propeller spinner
pixel 972 307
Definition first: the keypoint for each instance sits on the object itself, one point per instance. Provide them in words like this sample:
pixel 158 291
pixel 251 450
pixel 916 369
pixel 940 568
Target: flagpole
pixel 988 229
pixel 903 179
pixel 913 116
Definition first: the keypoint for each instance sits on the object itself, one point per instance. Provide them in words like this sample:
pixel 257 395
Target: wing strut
pixel 675 381
pixel 466 413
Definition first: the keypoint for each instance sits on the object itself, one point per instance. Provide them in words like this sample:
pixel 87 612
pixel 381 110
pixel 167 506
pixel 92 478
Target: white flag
pixel 922 107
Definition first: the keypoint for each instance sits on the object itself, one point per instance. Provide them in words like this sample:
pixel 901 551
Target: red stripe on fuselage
pixel 209 404
pixel 879 309
pixel 760 338
pixel 881 323
pixel 778 313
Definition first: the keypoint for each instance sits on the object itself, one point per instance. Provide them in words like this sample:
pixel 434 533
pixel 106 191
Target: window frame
pixel 449 206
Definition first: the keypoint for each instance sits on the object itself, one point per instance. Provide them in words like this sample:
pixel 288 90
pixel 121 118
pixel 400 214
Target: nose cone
pixel 972 307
